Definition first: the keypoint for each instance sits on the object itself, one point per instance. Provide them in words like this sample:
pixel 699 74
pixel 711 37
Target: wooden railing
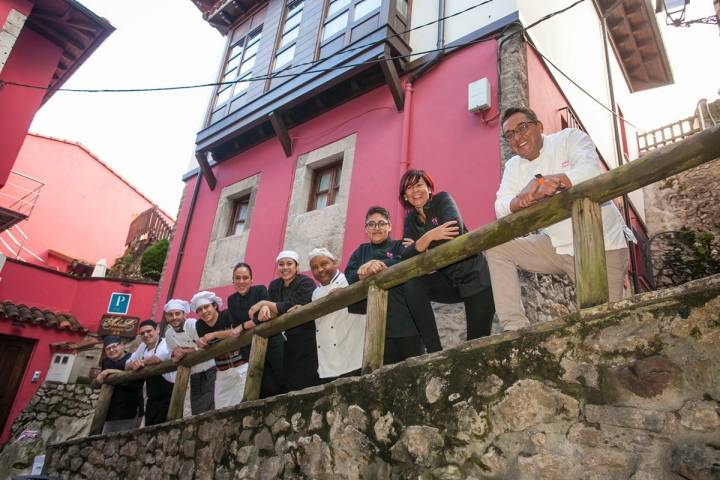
pixel 150 223
pixel 581 202
pixel 668 134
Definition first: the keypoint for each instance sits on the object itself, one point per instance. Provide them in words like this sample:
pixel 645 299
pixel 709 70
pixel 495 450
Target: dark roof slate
pixel 36 316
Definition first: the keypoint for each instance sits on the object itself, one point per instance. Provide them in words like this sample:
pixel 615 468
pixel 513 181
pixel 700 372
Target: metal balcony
pixel 18 198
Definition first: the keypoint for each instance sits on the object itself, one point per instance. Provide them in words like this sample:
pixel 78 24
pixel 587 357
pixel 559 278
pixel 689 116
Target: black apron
pixel 159 392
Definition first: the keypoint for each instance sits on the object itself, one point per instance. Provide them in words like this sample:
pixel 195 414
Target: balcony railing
pixel 581 202
pixel 18 198
pixel 149 224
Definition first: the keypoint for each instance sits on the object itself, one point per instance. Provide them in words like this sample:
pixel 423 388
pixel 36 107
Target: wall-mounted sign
pixel 118 325
pixel 119 303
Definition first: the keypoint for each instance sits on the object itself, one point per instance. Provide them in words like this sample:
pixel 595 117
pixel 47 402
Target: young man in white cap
pixel 151 351
pixel 211 327
pixel 202 375
pixel 289 290
pixel 340 335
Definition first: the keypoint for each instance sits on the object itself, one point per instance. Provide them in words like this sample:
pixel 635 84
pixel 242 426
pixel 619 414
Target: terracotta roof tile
pixel 35 316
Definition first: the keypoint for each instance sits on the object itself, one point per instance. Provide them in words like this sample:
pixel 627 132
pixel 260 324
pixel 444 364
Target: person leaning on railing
pixel 430 220
pixel 402 339
pixel 544 165
pixel 239 303
pixel 211 327
pixel 126 407
pixel 289 290
pixel 202 375
pixel 340 335
pixel 151 351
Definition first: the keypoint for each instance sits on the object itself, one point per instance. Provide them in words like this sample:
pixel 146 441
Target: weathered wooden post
pixel 591 286
pixel 101 409
pixel 375 331
pixel 177 400
pixel 258 348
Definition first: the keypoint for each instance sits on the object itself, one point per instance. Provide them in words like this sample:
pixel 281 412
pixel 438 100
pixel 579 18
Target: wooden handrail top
pixel 654 166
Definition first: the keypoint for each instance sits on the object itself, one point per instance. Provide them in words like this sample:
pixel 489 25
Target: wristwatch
pixel 540 179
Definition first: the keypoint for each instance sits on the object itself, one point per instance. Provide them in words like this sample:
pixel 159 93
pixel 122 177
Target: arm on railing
pixel 582 202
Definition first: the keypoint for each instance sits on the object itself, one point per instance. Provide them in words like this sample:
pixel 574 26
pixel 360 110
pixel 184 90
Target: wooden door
pixel 14 356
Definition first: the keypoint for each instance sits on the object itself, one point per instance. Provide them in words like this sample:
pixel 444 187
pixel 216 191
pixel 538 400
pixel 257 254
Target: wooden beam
pixel 393 80
pixel 207 172
pixel 591 286
pixel 253 383
pixel 282 132
pixel 374 351
pixel 177 400
pixel 101 409
pixel 656 165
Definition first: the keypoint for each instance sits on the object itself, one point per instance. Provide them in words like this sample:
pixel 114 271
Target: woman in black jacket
pixel 402 339
pixel 300 363
pixel 239 303
pixel 430 220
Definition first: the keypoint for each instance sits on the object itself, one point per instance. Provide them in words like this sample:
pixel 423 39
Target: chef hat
pixel 292 254
pixel 177 304
pixel 322 251
pixel 205 298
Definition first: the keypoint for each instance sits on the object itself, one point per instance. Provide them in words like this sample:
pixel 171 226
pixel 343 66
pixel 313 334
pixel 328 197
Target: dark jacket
pixel 469 276
pixel 126 401
pixel 300 361
pixel 399 320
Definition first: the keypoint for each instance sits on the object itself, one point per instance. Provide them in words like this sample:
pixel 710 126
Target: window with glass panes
pixel 325 186
pixel 237 72
pixel 285 51
pixel 239 215
pixel 341 12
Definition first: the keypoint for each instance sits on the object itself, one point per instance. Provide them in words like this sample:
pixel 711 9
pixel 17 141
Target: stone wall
pixel 630 391
pixel 545 297
pixel 688 200
pixel 57 412
pixel 685 201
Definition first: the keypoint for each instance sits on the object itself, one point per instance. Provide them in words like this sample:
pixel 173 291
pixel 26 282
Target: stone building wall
pixel 630 392
pixel 688 200
pixel 545 297
pixel 57 412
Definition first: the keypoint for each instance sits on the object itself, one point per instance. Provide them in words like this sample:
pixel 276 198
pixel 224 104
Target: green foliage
pixel 153 259
pixel 689 255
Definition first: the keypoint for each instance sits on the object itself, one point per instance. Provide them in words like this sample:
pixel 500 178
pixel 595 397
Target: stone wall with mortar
pixel 57 412
pixel 630 391
pixel 545 297
pixel 686 200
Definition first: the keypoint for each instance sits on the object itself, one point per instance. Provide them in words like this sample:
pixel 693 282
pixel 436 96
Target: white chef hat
pixel 321 251
pixel 292 254
pixel 177 304
pixel 205 298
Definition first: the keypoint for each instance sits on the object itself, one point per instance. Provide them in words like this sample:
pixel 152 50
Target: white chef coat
pixel 182 339
pixel 160 351
pixel 340 335
pixel 573 153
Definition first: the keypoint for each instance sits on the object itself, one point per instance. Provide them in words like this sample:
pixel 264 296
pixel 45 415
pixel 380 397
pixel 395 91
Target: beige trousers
pixel 535 253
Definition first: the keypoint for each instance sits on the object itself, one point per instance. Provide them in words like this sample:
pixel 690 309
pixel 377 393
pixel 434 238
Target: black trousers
pixel 273 381
pixel 420 291
pixel 398 349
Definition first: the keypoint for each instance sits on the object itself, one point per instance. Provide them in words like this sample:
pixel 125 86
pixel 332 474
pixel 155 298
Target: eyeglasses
pixel 522 127
pixel 373 225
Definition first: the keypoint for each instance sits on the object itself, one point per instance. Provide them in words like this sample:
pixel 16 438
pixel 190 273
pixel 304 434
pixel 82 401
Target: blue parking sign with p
pixel 119 303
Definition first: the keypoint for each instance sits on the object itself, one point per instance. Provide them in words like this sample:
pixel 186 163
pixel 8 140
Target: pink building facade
pixel 79 190
pixel 458 148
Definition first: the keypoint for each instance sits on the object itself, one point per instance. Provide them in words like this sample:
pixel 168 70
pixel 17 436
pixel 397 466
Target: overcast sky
pixel 149 138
